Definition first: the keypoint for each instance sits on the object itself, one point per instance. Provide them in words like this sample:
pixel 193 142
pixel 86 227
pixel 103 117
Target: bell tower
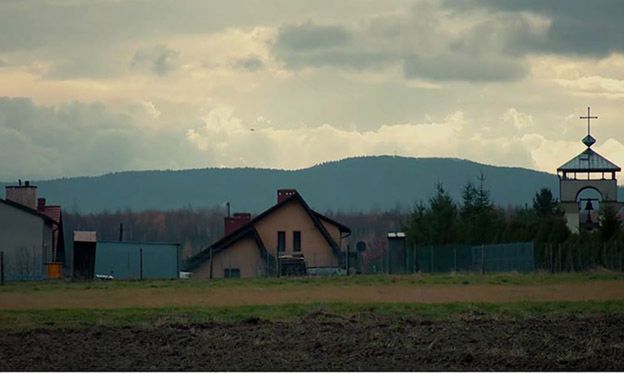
pixel 587 172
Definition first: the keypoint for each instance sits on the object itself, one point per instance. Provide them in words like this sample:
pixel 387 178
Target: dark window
pixel 281 241
pixel 296 241
pixel 231 273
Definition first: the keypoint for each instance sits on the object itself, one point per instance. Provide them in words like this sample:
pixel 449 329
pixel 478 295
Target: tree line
pixel 476 220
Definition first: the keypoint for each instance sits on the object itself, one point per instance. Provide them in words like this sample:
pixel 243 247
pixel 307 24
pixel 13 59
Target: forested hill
pixel 354 184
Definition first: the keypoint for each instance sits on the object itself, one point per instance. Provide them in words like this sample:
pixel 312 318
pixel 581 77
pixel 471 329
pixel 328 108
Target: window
pixel 231 273
pixel 296 241
pixel 281 241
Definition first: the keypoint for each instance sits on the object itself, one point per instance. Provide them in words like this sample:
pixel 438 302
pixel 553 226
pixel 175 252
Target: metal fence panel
pixel 123 260
pixel 508 257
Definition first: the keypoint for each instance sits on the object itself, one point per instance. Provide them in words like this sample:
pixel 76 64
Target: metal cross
pixel 588 117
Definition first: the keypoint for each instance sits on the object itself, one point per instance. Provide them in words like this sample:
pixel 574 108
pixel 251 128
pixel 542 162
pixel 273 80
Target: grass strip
pixel 538 278
pixel 23 320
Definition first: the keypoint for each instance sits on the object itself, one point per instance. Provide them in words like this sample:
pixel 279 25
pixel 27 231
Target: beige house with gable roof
pixel 287 239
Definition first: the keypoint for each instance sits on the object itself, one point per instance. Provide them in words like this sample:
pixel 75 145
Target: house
pixel 288 238
pixel 31 235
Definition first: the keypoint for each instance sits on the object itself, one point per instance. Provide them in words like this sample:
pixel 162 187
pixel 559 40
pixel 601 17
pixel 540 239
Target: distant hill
pixel 353 184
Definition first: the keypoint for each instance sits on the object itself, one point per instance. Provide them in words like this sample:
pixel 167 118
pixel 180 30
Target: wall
pixel 26 241
pixel 293 217
pixel 569 188
pixel 243 255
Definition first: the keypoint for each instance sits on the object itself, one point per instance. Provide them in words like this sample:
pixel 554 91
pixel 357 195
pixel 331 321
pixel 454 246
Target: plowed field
pixel 328 342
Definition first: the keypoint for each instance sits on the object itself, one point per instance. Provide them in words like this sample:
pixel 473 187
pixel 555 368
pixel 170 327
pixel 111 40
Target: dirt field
pixel 226 296
pixel 323 341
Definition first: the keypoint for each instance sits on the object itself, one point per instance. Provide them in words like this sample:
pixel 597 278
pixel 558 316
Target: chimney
pixel 41 204
pixel 283 194
pixel 236 221
pixel 24 194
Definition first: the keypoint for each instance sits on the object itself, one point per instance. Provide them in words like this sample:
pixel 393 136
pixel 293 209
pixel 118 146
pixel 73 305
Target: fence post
pixel 2 268
pixel 455 259
pixel 415 259
pixel 141 263
pixel 431 259
pixel 347 260
pixel 482 259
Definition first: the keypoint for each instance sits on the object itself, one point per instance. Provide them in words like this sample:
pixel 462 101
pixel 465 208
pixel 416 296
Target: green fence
pixel 580 257
pixel 510 257
pixel 137 260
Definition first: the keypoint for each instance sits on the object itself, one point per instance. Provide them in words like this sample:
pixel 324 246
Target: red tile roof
pixel 54 212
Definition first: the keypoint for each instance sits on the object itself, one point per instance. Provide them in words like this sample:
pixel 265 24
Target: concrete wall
pixel 570 188
pixel 243 255
pixel 27 244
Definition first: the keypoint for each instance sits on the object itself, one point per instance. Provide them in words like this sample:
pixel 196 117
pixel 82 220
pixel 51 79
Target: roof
pixel 27 209
pixel 54 212
pixel 138 243
pixel 589 161
pixel 248 230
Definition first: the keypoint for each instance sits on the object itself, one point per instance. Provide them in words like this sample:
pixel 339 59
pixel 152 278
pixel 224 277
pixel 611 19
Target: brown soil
pixel 169 297
pixel 328 342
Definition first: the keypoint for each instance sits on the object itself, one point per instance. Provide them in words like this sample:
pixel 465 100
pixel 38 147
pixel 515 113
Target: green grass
pixel 539 278
pixel 153 317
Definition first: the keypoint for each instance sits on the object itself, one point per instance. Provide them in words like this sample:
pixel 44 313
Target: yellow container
pixel 55 270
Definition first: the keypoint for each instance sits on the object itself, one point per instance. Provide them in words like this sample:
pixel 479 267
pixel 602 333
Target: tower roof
pixel 589 161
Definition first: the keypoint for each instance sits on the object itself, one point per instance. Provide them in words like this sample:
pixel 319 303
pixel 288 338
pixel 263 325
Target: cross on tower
pixel 588 117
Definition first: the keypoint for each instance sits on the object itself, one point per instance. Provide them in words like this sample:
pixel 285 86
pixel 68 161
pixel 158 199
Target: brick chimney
pixel 236 221
pixel 283 194
pixel 25 195
pixel 41 204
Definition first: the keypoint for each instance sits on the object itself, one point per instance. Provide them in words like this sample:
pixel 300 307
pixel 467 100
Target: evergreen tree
pixel 544 203
pixel 610 224
pixel 442 217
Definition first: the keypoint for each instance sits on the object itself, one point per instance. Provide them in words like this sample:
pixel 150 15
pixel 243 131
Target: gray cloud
pixel 81 139
pixel 464 67
pixel 578 27
pixel 417 40
pixel 307 36
pixel 250 63
pixel 160 60
pixel 3 62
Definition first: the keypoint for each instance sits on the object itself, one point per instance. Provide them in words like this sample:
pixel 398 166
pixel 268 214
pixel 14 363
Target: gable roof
pixel 54 212
pixel 589 161
pixel 249 230
pixel 28 210
pixel 343 228
pixel 244 232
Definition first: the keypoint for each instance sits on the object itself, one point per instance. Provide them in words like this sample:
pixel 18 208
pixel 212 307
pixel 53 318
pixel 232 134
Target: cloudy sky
pixel 90 87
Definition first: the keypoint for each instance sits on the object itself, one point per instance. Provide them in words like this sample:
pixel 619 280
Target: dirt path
pixel 325 342
pixel 166 297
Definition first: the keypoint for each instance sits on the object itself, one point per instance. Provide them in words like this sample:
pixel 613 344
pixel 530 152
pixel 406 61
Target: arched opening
pixel 588 200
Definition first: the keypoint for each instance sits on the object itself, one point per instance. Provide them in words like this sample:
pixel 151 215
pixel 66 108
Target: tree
pixel 480 221
pixel 544 203
pixel 442 217
pixel 610 224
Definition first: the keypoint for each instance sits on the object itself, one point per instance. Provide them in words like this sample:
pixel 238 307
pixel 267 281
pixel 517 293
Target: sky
pixel 91 87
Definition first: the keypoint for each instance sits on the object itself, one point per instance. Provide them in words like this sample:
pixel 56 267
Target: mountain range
pixel 348 185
